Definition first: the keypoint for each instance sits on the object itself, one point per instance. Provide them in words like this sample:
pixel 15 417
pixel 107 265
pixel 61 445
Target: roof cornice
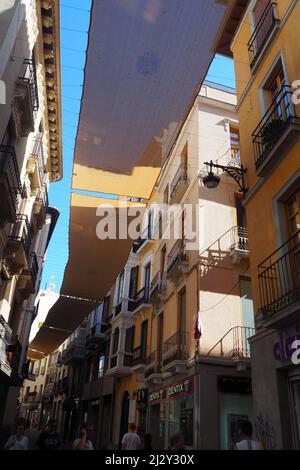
pixel 50 28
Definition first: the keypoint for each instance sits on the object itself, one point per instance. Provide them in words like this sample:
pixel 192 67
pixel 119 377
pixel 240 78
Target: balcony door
pixel 263 19
pixel 293 215
pixel 160 338
pixel 144 333
pixel 133 282
pixel 147 274
pixel 182 346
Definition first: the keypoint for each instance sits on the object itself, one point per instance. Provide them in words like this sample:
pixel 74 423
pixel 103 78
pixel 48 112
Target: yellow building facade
pixel 267 65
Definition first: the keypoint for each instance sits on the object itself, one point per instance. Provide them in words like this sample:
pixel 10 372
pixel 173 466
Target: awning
pixel 91 269
pixel 145 64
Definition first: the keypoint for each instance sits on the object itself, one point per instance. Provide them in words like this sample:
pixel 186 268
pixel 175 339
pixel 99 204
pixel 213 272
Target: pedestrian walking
pixel 17 441
pixel 246 442
pixel 49 439
pixel 84 441
pixel 131 440
pixel 177 442
pixel 147 443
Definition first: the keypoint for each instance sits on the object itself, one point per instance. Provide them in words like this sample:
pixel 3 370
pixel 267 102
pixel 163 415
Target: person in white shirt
pixel 17 441
pixel 84 442
pixel 246 442
pixel 131 440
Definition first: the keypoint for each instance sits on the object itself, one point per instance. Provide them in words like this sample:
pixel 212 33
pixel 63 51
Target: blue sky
pixel 75 18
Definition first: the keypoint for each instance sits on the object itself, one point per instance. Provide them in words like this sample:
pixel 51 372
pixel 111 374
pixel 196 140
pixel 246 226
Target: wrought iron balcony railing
pixel 275 122
pixel 176 254
pixel 159 283
pixel 145 236
pixel 33 268
pixel 142 297
pixel 234 344
pixel 10 176
pixel 279 278
pixel 262 32
pixel 138 356
pixel 22 232
pixel 239 239
pixel 176 347
pixel 181 175
pixel 30 77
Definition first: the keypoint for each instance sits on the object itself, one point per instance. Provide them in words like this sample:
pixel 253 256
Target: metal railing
pixel 5 338
pixel 239 239
pixel 263 30
pixel 30 77
pixel 146 234
pixel 176 347
pixel 33 268
pixel 138 356
pixel 234 344
pixel 159 283
pixel 22 232
pixel 279 277
pixel 152 366
pixel 177 253
pixel 181 175
pixel 10 171
pixel 278 117
pixel 142 297
pixel 38 152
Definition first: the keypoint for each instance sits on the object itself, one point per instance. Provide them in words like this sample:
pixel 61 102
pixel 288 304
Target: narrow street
pixel 149 226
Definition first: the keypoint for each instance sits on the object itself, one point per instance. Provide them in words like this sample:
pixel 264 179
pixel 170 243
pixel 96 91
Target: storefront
pixel 171 412
pixel 276 373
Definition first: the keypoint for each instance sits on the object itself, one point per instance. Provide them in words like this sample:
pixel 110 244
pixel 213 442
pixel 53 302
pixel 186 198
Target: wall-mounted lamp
pixel 212 180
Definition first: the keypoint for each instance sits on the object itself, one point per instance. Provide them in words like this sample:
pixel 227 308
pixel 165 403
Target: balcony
pixel 177 263
pixel 234 345
pixel 5 338
pixel 75 351
pixel 276 133
pixel 279 283
pixel 97 387
pixel 179 184
pixel 145 239
pixel 26 101
pixel 153 369
pixel 36 164
pixel 28 277
pixel 96 335
pixel 139 363
pixel 158 288
pixel 18 246
pixel 119 364
pixel 175 353
pixel 239 248
pixel 263 35
pixel 63 386
pixel 10 184
pixel 14 351
pixel 140 302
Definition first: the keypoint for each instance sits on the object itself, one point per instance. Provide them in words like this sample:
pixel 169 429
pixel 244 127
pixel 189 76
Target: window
pixel 144 333
pixel 101 367
pixel 105 311
pixel 129 339
pixel 116 341
pixel 120 287
pixel 234 144
pixel 133 282
pixel 293 213
pixel 147 272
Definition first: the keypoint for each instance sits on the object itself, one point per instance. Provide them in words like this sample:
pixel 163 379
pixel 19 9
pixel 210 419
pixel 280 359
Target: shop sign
pixel 172 391
pixel 183 387
pixel 286 346
pixel 159 395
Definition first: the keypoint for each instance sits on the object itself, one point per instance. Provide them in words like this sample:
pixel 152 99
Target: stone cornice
pixel 48 10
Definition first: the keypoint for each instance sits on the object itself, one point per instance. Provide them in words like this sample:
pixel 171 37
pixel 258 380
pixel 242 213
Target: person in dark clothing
pixel 49 439
pixel 147 442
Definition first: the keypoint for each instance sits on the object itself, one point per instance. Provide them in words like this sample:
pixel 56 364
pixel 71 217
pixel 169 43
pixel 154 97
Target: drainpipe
pixel 197 396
